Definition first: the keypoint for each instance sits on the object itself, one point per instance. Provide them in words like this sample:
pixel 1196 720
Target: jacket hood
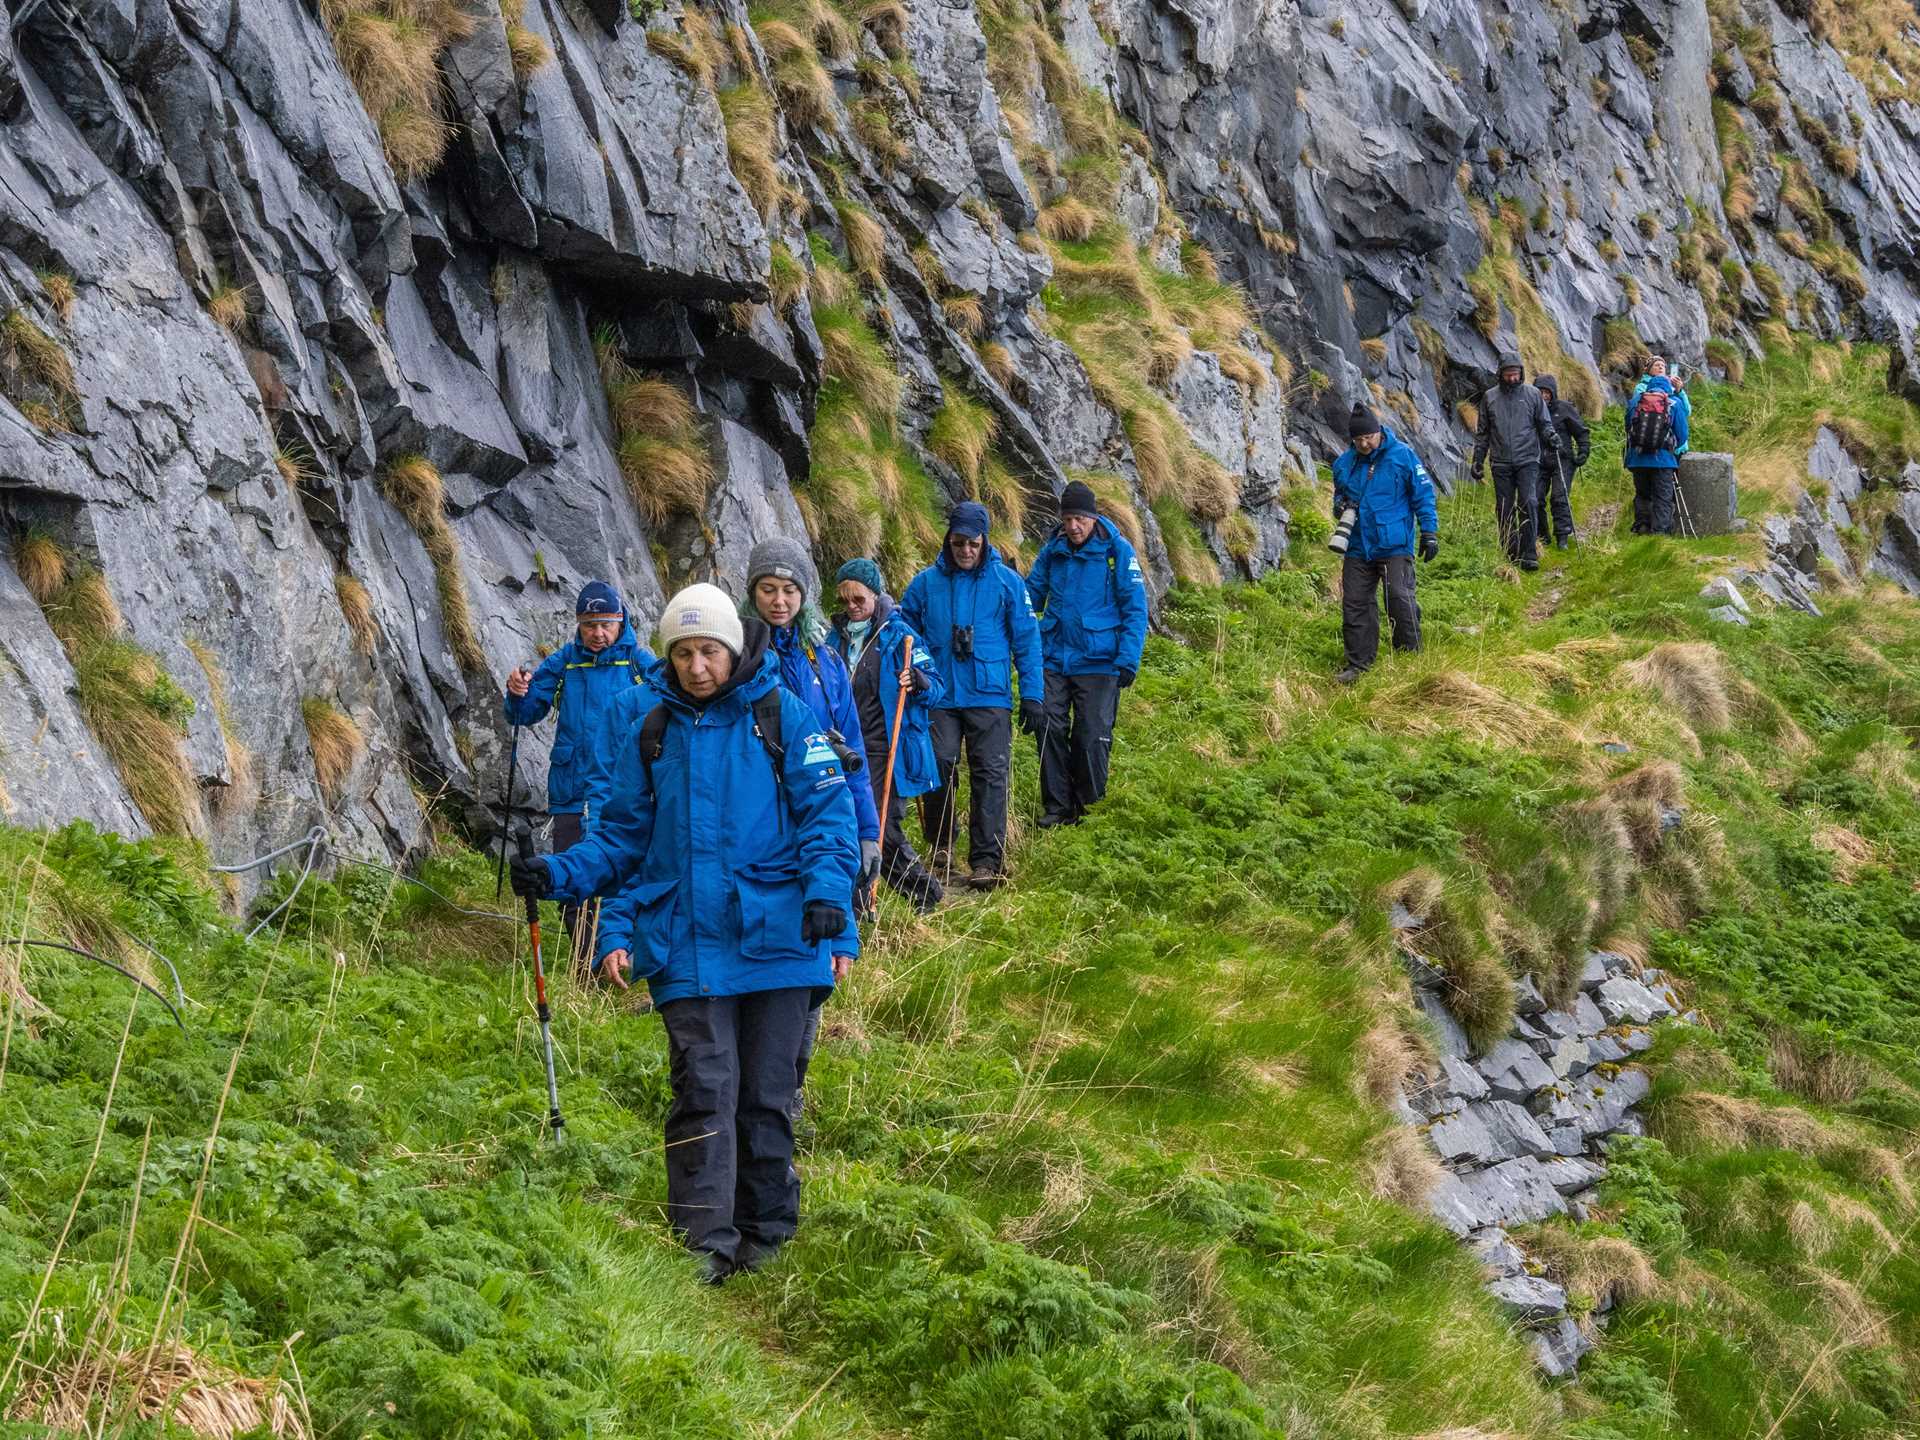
pixel 989 557
pixel 1548 384
pixel 757 670
pixel 1660 382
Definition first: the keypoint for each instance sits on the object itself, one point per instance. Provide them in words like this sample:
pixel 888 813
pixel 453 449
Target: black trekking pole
pixel 525 841
pixel 506 811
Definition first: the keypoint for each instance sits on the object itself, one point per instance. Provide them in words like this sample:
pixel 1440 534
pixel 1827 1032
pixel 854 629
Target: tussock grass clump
pixel 60 291
pixel 1403 1168
pixel 195 1395
pixel 662 448
pixel 132 706
pixel 1598 1269
pixel 962 434
pixel 391 51
pixel 866 243
pixel 786 277
pixel 526 50
pixel 229 307
pixel 1069 219
pixel 413 487
pixel 753 142
pixel 336 743
pixel 966 313
pixel 999 362
pixel 1691 676
pixel 356 607
pixel 1453 702
pixel 801 83
pixel 41 564
pixel 35 373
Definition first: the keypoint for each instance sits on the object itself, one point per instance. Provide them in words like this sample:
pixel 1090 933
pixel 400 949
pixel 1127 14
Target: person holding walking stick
pixel 895 684
pixel 729 809
pixel 577 683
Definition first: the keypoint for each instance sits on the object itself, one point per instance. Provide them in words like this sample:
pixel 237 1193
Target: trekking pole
pixel 525 841
pixel 506 811
pixel 886 782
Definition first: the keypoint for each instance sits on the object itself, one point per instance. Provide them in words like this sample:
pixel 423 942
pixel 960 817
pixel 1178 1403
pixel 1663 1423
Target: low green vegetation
pixel 1106 1153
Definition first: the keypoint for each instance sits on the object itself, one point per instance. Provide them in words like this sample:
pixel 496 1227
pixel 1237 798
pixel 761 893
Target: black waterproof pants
pixel 1360 582
pixel 1516 490
pixel 1653 500
pixel 900 863
pixel 734 1063
pixel 1555 503
pixel 1076 739
pixel 987 731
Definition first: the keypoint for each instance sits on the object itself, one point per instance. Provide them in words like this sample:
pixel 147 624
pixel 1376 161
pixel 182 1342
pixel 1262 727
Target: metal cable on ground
pixel 315 839
pixel 442 898
pixel 108 964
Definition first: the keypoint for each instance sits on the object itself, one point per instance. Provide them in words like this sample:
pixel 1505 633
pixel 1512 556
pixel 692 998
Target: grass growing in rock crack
pixel 413 487
pixel 661 447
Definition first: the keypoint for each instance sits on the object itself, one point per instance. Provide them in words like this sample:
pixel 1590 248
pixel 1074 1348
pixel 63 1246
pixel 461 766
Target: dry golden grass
pixel 1068 219
pixel 999 362
pixel 1827 1077
pixel 1449 702
pixel 753 141
pixel 1153 454
pixel 228 306
pixel 30 357
pixel 59 289
pixel 42 566
pixel 413 487
pixel 866 244
pixel 887 20
pixel 336 743
pixel 391 50
pixel 1691 677
pixel 1598 1268
pixel 674 49
pixel 1169 349
pixel 1402 1168
pixel 192 1394
pixel 356 607
pixel 966 313
pixel 665 478
pixel 528 51
pixel 1851 853
pixel 1239 366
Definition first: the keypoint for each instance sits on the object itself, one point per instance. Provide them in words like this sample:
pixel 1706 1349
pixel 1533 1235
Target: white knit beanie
pixel 704 612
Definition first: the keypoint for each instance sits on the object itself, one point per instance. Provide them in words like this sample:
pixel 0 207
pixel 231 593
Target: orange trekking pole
pixel 893 748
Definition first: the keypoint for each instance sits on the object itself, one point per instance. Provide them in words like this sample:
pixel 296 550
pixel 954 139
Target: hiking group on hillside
pixel 723 814
pixel 732 806
pixel 1385 510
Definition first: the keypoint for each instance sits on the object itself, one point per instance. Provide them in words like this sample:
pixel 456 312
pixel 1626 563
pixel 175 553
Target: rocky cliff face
pixel 340 344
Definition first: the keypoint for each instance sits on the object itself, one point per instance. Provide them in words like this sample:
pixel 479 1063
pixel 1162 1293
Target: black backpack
pixel 1650 427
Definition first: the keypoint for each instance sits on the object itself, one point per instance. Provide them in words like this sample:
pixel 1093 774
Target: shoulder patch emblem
pixel 819 751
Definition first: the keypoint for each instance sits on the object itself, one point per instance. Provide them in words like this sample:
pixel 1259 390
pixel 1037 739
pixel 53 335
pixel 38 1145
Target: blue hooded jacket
pixel 1092 602
pixel 915 771
pixel 586 685
pixel 820 678
pixel 992 599
pixel 1682 410
pixel 1394 495
pixel 714 858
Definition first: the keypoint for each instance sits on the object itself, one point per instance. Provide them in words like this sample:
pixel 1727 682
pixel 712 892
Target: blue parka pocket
pixel 652 907
pixel 772 900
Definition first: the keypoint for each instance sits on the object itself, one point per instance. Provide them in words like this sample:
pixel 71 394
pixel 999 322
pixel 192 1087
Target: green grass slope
pixel 1105 1154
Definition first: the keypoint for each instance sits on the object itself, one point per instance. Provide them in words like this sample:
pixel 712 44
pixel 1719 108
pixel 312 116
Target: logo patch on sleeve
pixel 819 751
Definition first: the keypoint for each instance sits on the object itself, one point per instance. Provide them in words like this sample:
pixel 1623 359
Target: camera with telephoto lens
pixel 1343 532
pixel 963 642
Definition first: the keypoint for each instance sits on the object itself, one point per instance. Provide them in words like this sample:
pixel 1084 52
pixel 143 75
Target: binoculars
pixel 963 642
pixel 1343 532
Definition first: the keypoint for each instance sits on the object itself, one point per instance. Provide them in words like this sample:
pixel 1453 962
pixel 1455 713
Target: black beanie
pixel 1362 422
pixel 1078 499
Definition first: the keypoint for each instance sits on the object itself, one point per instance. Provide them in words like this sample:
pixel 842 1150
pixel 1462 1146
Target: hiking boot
pixel 986 877
pixel 714 1269
pixel 1529 565
pixel 753 1256
pixel 1348 675
pixel 1055 818
pixel 1565 542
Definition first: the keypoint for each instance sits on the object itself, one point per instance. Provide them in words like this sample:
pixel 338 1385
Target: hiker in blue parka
pixel 972 608
pixel 579 683
pixel 871 635
pixel 1087 588
pixel 1383 480
pixel 1654 469
pixel 741 857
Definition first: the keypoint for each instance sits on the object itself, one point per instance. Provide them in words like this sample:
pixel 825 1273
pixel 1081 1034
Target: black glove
pixel 528 876
pixel 822 921
pixel 1429 545
pixel 1126 678
pixel 1030 715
